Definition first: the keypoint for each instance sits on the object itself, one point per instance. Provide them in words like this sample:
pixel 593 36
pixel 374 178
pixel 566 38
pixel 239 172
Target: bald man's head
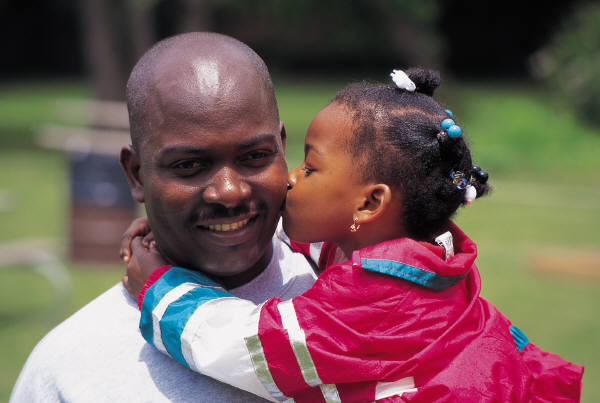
pixel 208 155
pixel 195 74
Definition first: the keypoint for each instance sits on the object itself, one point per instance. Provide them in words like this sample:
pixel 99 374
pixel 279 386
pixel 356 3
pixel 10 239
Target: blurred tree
pixel 570 62
pixel 115 34
pixel 142 25
pixel 197 15
pixel 485 39
pixel 101 52
pixel 40 38
pixel 335 35
pixel 495 38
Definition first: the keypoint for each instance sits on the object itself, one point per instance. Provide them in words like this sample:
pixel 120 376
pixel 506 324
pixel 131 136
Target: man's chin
pixel 233 277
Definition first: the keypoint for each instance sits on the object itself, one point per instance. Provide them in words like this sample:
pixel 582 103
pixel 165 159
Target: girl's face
pixel 325 187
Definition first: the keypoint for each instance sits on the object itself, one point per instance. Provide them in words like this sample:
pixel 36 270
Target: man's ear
pixel 131 166
pixel 283 134
pixel 375 203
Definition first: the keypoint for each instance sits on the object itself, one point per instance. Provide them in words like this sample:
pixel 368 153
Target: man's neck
pixel 250 274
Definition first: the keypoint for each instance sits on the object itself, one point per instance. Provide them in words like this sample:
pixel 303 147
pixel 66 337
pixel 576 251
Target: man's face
pixel 214 179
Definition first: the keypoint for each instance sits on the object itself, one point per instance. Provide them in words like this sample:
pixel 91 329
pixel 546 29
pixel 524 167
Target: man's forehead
pixel 206 87
pixel 211 142
pixel 189 85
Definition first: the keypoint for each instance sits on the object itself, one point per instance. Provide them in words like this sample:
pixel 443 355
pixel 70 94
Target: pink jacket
pixel 397 322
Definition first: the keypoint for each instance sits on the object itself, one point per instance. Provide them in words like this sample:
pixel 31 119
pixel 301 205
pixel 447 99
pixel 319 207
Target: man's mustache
pixel 219 211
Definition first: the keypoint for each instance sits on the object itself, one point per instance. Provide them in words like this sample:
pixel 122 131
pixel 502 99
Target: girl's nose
pixel 292 178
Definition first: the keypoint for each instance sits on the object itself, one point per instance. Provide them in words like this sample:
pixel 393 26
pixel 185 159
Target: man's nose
pixel 227 188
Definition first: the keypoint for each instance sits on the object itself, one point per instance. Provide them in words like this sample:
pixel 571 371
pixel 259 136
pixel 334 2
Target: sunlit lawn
pixel 543 165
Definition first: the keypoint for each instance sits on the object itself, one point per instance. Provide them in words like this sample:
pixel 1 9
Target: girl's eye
pixel 307 171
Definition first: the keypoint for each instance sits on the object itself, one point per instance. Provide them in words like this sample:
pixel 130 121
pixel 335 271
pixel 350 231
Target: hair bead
pixel 483 176
pixel 458 179
pixel 454 131
pixel 447 123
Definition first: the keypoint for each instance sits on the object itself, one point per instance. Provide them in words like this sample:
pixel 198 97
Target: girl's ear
pixel 131 165
pixel 377 201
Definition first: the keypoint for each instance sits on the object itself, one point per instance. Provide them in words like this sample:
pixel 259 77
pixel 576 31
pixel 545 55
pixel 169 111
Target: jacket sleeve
pixel 276 350
pixel 191 318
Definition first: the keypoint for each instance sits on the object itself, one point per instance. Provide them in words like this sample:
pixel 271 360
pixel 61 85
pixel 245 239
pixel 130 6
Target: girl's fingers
pixel 137 244
pixel 125 251
pixel 138 227
pixel 148 241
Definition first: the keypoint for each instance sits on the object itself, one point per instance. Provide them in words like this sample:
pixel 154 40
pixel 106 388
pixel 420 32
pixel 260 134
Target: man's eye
pixel 189 165
pixel 256 157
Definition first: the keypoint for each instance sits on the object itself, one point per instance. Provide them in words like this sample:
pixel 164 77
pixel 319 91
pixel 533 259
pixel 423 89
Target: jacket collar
pixel 419 263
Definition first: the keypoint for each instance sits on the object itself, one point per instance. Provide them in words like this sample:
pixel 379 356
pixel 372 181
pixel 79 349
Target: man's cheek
pixel 177 194
pixel 277 182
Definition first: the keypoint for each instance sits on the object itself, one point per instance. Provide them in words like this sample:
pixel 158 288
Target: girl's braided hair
pixel 397 141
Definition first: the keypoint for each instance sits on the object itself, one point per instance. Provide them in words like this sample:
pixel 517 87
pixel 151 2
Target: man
pixel 207 159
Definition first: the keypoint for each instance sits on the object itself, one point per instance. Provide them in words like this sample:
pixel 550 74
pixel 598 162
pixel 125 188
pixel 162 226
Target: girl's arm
pixel 141 267
pixel 194 320
pixel 262 349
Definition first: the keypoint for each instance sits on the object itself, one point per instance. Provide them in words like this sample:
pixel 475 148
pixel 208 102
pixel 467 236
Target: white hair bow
pixel 402 81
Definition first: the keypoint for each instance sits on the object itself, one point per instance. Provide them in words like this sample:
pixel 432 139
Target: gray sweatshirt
pixel 99 355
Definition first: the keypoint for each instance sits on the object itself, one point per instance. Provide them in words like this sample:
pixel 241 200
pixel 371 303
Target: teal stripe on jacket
pixel 519 337
pixel 410 273
pixel 179 312
pixel 171 279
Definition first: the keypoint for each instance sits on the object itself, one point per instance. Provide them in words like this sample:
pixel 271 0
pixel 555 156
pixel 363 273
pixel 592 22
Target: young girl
pixel 396 312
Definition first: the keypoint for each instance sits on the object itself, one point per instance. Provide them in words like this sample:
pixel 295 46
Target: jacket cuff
pixel 156 274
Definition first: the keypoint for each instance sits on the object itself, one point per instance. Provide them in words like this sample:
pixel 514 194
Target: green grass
pixel 543 165
pixel 526 134
pixel 25 106
pixel 299 102
pixel 30 309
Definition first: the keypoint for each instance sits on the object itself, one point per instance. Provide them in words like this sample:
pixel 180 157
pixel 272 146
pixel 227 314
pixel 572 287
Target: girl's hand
pixel 142 263
pixel 138 228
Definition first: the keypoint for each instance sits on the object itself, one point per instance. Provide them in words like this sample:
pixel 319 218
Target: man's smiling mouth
pixel 228 227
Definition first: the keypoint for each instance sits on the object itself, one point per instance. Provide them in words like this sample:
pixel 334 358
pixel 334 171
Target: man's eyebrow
pixel 183 150
pixel 259 138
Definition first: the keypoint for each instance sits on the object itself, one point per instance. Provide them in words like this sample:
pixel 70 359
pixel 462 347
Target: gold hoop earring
pixel 354 227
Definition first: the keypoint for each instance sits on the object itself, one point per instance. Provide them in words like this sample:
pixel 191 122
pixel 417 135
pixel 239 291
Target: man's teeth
pixel 228 227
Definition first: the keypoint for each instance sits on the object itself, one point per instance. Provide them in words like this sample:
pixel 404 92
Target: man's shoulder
pixel 98 354
pixel 79 342
pixel 79 329
pixel 113 304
